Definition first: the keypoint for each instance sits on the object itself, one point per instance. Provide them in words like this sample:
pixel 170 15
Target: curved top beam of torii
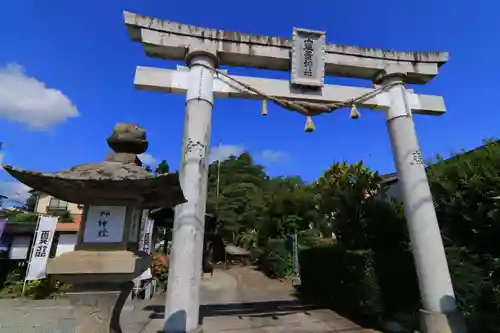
pixel 166 39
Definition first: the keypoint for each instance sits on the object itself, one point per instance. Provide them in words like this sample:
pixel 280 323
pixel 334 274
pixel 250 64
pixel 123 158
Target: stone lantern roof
pixel 118 179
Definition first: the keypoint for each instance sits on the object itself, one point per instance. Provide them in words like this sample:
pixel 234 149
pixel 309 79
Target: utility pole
pixel 295 253
pixel 218 172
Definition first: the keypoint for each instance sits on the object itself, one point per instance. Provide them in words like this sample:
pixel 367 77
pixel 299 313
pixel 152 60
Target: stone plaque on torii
pixel 203 50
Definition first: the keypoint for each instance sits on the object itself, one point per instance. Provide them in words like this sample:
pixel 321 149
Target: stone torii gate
pixel 309 59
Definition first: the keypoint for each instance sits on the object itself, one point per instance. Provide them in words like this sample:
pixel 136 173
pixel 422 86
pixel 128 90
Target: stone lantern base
pixel 97 307
pixel 101 283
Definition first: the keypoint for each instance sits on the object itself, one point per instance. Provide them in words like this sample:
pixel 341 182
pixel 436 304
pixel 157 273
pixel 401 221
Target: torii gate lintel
pixel 169 40
pixel 176 82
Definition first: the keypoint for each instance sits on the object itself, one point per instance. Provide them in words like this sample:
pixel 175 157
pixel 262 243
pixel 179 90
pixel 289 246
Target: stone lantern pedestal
pixel 101 282
pixel 106 257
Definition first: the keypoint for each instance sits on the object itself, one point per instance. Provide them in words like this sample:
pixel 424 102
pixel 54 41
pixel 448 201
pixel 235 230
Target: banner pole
pixel 35 235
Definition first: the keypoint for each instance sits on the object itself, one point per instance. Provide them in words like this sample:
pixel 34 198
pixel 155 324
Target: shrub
pixel 276 258
pixel 159 268
pixel 477 294
pixel 37 289
pixel 45 288
pixel 13 284
pixel 23 217
pixel 309 238
pixel 388 239
pixel 257 254
pixel 345 280
pixel 66 216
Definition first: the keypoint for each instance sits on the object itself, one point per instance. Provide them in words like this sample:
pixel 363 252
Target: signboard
pixel 146 236
pixel 41 248
pixel 308 57
pixel 145 244
pixel 104 224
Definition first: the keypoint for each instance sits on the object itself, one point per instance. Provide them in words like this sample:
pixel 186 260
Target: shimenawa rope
pixel 308 109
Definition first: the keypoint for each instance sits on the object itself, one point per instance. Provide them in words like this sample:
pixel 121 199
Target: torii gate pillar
pixel 183 300
pixel 439 311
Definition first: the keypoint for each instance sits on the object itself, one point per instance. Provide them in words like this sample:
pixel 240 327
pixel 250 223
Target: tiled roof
pixel 70 226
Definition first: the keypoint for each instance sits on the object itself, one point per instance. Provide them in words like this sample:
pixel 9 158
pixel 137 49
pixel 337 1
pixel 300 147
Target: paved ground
pixel 55 316
pixel 240 300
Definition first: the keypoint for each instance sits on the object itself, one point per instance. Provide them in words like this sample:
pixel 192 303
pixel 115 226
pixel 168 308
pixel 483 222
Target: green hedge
pixel 371 285
pixel 346 280
pixel 362 284
pixel 397 280
pixel 477 293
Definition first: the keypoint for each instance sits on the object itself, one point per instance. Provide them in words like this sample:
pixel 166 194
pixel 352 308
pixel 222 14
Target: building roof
pixel 389 178
pixel 70 226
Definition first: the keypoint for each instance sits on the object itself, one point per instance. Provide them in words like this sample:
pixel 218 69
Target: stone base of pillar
pixel 199 329
pixel 97 307
pixel 435 322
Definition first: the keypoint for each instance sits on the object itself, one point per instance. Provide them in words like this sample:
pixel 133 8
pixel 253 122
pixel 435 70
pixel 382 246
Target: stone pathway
pixel 239 300
pixel 242 300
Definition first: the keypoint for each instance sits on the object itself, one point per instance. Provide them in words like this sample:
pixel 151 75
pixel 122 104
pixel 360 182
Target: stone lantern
pixel 114 193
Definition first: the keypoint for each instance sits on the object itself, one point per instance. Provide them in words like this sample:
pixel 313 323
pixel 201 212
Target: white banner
pixel 145 244
pixel 46 228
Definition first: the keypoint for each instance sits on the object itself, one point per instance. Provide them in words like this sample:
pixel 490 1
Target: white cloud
pixel 14 190
pixel 269 156
pixel 26 100
pixel 148 159
pixel 222 152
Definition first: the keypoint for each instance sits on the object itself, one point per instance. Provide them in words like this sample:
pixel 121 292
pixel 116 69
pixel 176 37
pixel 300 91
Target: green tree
pixel 251 205
pixel 290 207
pixel 238 205
pixel 342 193
pixel 464 188
pixel 31 203
pixel 162 168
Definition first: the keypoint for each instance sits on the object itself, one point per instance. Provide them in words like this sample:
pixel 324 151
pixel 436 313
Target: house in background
pixel 18 236
pixel 69 224
pixel 393 189
pixel 391 179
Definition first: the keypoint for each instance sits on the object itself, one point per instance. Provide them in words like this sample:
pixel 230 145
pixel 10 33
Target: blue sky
pixel 81 50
